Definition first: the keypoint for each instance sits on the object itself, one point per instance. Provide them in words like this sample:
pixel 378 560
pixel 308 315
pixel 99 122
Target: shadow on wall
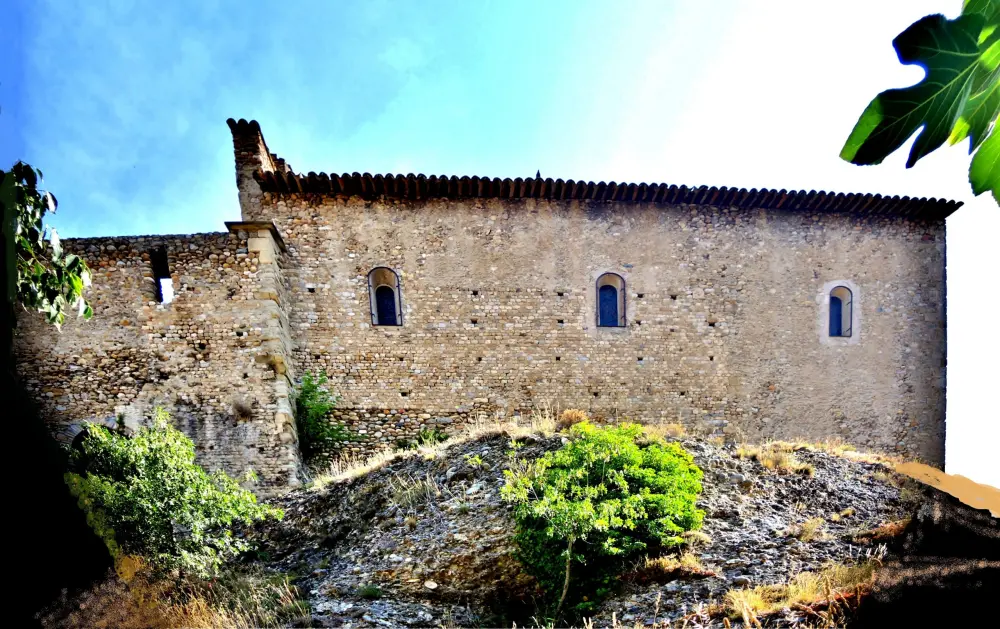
pixel 57 548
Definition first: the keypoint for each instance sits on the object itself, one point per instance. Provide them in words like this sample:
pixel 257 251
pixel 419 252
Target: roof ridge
pixel 420 186
pixel 278 177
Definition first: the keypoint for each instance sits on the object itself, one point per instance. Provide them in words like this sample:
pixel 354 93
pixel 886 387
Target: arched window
pixel 610 301
pixel 383 294
pixel 841 311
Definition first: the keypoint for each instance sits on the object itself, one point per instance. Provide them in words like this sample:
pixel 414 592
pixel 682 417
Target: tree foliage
pixel 313 403
pixel 145 496
pixel 39 274
pixel 607 497
pixel 958 99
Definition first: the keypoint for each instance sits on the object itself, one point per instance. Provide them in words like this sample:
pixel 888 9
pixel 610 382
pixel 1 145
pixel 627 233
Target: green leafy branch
pixel 146 496
pixel 40 274
pixel 958 98
pixel 313 405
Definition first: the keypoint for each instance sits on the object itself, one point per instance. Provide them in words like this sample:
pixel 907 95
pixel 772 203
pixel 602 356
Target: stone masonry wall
pixel 726 313
pixel 223 339
pixel 725 309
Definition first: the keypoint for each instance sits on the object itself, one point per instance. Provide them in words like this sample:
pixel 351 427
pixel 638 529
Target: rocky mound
pixel 425 540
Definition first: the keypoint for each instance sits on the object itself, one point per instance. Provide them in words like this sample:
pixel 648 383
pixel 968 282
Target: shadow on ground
pixel 948 569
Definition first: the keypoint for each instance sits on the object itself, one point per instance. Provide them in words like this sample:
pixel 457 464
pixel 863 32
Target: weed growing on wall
pixel 145 496
pixel 313 403
pixel 426 437
pixel 605 499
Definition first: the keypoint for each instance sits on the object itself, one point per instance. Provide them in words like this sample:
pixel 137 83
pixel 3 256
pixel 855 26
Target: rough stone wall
pixel 725 315
pixel 726 321
pixel 223 339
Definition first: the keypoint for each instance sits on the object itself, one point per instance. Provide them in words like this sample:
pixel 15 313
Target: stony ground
pixel 425 540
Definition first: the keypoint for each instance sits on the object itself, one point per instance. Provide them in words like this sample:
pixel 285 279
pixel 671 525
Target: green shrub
pixel 605 499
pixel 313 404
pixel 145 496
pixel 431 436
pixel 370 592
pixel 426 437
pixel 404 444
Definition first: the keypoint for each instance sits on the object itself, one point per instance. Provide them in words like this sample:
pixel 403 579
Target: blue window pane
pixel 608 312
pixel 385 305
pixel 836 308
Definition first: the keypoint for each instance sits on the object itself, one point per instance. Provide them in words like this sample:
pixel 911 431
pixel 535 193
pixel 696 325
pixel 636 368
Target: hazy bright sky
pixel 123 106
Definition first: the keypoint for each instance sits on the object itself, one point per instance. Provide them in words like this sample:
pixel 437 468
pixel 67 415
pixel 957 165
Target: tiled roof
pixel 416 187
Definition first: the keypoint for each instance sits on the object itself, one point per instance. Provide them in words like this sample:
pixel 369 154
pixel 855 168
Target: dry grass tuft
pixel 233 601
pixel 881 533
pixel 407 493
pixel 803 589
pixel 837 517
pixel 696 538
pixel 886 478
pixel 351 466
pixel 776 456
pixel 571 416
pixel 541 421
pixel 665 431
pixel 838 447
pixel 669 568
pixel 809 530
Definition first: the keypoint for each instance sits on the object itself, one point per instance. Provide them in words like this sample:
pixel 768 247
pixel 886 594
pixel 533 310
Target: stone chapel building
pixel 429 300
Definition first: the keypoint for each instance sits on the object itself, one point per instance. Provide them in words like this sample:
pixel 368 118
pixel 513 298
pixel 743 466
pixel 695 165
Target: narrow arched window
pixel 841 311
pixel 383 294
pixel 610 301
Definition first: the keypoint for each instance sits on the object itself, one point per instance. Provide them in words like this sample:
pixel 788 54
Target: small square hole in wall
pixel 400 359
pixel 311 289
pixel 558 358
pixel 596 394
pixel 479 359
pixel 639 359
pixel 674 297
pixel 475 292
pixel 711 357
pixel 560 293
pixel 474 321
pixel 260 450
pixel 560 321
pixel 637 322
pixel 202 345
pixel 404 393
pixel 711 324
pixel 682 393
pixel 640 295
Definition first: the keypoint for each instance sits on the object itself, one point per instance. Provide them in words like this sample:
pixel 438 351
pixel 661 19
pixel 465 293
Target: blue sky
pixel 124 108
pixel 123 105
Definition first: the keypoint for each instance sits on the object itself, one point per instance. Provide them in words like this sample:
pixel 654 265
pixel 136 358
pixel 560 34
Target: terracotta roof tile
pixel 417 187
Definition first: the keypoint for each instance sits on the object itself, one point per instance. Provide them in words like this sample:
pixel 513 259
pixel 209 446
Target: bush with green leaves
pixel 313 403
pixel 605 499
pixel 145 496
